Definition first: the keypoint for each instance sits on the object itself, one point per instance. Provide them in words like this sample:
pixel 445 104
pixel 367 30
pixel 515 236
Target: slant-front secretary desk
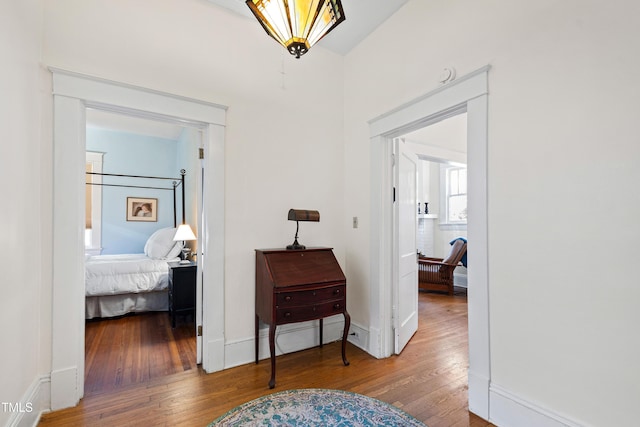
pixel 297 286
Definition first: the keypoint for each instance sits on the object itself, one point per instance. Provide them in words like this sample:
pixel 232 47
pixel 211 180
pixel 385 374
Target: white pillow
pixel 176 250
pixel 161 245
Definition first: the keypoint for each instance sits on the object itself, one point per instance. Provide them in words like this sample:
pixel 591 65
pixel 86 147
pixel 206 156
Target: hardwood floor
pixel 428 380
pixel 136 349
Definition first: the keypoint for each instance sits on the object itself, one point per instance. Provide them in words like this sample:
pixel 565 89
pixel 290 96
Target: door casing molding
pixel 468 93
pixel 72 94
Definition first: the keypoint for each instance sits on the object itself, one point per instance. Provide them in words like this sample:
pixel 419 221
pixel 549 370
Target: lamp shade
pixel 184 232
pixel 303 215
pixel 297 24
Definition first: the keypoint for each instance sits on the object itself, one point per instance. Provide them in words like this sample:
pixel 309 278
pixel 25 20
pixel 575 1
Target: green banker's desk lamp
pixel 301 215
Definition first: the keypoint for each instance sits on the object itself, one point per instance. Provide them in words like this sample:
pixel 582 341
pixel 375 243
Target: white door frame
pixel 468 93
pixel 72 94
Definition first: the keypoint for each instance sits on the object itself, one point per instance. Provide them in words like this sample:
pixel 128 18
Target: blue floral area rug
pixel 316 407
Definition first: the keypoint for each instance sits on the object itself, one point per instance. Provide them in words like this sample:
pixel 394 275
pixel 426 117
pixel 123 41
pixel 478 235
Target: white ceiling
pixel 362 17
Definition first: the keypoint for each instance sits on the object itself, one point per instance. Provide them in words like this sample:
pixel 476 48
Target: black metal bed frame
pixel 177 182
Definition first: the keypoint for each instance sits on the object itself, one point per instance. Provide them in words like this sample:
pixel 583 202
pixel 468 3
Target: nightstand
pixel 182 289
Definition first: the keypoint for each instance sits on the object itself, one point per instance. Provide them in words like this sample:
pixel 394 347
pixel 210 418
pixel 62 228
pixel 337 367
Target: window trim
pixel 445 223
pixel 95 248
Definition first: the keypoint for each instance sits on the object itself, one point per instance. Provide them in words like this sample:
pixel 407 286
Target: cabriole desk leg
pixel 272 349
pixel 257 337
pixel 347 324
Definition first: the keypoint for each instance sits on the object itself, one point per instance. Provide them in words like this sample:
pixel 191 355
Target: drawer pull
pixel 336 306
pixel 287 298
pixel 336 292
pixel 287 314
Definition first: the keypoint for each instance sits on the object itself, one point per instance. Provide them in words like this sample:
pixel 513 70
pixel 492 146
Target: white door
pixel 405 274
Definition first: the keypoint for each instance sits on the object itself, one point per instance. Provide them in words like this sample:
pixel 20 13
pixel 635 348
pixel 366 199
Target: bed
pixel 131 283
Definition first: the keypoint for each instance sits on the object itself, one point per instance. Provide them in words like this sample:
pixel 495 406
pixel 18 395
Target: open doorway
pixel 133 333
pixel 419 236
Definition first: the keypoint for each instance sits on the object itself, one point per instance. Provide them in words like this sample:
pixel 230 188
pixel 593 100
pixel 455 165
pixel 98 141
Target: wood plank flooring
pixel 428 380
pixel 134 349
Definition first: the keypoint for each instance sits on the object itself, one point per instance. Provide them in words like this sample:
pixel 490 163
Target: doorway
pixel 432 178
pixel 72 94
pixel 421 177
pixel 467 94
pixel 130 337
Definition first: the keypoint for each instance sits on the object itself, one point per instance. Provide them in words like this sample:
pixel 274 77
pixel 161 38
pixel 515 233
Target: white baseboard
pixel 35 402
pixel 289 338
pixel 359 336
pixel 508 409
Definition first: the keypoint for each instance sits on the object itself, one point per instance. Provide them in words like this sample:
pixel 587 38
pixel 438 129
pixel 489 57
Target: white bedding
pixel 118 305
pixel 125 274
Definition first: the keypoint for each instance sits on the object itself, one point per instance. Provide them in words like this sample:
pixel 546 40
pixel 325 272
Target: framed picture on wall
pixel 142 209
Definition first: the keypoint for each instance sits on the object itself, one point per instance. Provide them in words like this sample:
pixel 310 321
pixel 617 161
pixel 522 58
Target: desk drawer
pixel 310 312
pixel 314 296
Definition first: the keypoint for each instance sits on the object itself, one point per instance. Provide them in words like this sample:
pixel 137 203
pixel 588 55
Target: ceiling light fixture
pixel 297 24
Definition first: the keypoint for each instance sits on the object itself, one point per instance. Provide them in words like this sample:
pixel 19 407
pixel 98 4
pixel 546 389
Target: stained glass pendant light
pixel 297 24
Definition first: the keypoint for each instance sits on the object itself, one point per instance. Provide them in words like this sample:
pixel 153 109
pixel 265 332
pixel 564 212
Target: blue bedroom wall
pixel 188 144
pixel 132 154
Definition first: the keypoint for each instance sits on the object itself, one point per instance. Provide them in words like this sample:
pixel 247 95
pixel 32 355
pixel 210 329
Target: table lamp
pixel 184 233
pixel 301 215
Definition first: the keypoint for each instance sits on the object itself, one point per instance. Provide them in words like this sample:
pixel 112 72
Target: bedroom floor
pixel 135 349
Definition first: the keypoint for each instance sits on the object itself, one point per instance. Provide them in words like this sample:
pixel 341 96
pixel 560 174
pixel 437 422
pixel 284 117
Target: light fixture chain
pixel 283 72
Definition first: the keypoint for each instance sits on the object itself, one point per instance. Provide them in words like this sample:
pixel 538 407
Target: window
pixel 455 194
pixel 93 200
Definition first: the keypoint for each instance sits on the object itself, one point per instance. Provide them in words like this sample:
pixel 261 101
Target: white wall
pixel 26 212
pixel 282 143
pixel 563 151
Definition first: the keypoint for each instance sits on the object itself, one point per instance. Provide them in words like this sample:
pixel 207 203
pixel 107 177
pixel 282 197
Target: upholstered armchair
pixel 436 274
